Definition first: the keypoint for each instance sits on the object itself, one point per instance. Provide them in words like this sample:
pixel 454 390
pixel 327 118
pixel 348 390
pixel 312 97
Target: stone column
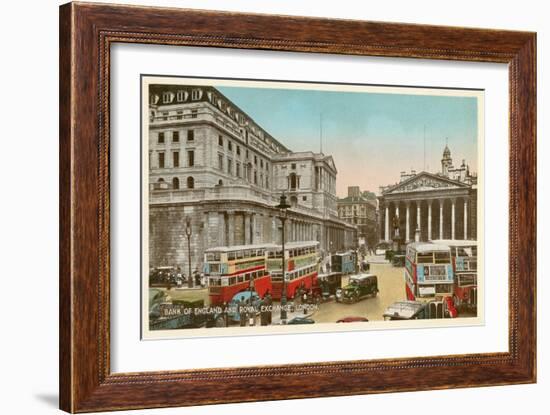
pixel 465 218
pixel 407 228
pixel 253 225
pixel 231 228
pixel 441 218
pixel 247 239
pixel 418 223
pixel 387 224
pixel 429 219
pixel 453 218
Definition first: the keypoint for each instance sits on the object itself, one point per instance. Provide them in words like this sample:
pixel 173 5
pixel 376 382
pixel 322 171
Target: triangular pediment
pixel 330 161
pixel 423 182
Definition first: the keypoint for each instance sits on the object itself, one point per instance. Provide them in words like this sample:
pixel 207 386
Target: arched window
pixel 220 182
pixel 293 180
pixel 293 201
pixel 161 180
pixel 190 183
pixel 175 183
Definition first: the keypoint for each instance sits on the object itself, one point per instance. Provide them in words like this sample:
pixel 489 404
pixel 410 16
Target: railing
pixel 204 115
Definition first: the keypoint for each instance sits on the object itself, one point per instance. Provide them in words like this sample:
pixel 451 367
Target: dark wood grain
pixel 86 33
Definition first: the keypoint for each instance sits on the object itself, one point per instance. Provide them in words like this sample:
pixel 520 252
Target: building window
pixel 229 166
pixel 293 181
pixel 255 177
pixel 238 150
pixel 229 146
pixel 220 182
pixel 220 140
pixel 166 98
pixel 266 166
pixel 194 113
pixel 161 160
pixel 175 183
pixel 180 95
pixel 220 161
pixel 262 164
pixel 161 138
pixel 304 198
pixel 293 166
pixel 191 158
pixel 190 135
pixel 190 183
pixel 246 153
pixel 180 115
pixel 255 160
pixel 176 158
pixel 238 169
pixel 195 94
pixel 267 182
pixel 175 136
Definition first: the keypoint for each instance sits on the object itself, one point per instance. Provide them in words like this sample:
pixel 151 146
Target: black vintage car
pixel 165 277
pixel 360 286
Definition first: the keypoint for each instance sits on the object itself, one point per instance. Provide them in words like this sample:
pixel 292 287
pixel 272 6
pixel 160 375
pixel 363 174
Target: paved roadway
pixel 391 284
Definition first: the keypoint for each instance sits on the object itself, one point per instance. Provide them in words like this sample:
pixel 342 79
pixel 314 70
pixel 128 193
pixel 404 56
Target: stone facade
pixel 211 163
pixel 439 206
pixel 359 209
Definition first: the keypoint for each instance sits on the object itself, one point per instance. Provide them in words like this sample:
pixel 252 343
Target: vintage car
pixel 352 319
pixel 407 310
pixel 166 276
pixel 301 320
pixel 360 286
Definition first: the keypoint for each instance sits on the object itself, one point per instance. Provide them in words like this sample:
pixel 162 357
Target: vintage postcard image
pixel 293 207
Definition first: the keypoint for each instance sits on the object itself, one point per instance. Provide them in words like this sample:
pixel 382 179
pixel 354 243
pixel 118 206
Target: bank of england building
pixel 211 164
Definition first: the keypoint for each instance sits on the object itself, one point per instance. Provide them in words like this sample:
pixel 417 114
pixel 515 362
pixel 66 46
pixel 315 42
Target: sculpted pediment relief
pixel 425 182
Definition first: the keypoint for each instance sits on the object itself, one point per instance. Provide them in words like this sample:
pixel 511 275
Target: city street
pixel 390 284
pixel 392 288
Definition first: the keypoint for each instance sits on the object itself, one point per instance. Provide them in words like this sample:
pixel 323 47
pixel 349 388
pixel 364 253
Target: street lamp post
pixel 188 232
pixel 283 207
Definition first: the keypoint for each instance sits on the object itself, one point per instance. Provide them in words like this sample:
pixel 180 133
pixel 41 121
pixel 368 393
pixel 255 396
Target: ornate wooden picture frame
pixel 87 32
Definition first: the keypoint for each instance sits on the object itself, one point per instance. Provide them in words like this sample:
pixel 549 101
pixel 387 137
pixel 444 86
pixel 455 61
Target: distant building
pixel 441 205
pixel 212 163
pixel 359 209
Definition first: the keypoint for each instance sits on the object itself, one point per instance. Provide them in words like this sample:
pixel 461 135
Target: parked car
pixel 406 310
pixel 359 287
pixel 301 320
pixel 352 319
pixel 165 277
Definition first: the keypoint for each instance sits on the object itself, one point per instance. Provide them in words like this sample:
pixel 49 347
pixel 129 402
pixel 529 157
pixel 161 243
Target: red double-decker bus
pixel 464 257
pixel 233 269
pixel 301 263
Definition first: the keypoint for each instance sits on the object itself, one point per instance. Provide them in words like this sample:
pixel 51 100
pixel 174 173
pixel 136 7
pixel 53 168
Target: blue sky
pixel 372 136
